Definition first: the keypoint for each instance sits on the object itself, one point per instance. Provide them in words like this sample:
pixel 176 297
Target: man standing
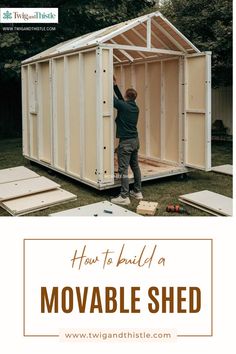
pixel 126 131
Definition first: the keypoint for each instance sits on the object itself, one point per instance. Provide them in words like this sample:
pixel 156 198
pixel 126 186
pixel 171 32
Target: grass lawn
pixel 165 191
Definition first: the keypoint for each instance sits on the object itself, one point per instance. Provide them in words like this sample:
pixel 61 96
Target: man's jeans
pixel 128 155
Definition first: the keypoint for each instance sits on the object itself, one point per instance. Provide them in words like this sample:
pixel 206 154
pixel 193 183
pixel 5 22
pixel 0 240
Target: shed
pixel 67 101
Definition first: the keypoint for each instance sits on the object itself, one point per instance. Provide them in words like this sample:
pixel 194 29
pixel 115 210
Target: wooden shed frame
pixel 67 101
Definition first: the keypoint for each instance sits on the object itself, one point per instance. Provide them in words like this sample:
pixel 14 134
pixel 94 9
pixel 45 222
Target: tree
pixel 208 24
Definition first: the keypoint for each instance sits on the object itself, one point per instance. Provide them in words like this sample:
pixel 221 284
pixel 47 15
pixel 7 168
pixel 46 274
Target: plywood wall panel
pixel 108 124
pixel 196 124
pixel 74 98
pixel 140 88
pixel 90 114
pixel 58 111
pixel 44 112
pixel 33 117
pixel 127 77
pixel 33 136
pixel 196 83
pixel 154 95
pixel 171 84
pixel 106 83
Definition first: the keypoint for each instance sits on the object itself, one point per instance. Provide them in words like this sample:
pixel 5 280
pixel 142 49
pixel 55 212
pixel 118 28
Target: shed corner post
pixel 162 109
pixel 81 110
pixel 181 110
pixel 111 73
pixel 99 120
pixel 185 93
pixel 24 111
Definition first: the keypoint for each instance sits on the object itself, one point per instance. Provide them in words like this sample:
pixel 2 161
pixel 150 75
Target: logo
pixel 29 15
pixel 7 15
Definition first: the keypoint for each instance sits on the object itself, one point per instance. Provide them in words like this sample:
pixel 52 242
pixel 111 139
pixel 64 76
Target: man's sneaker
pixel 136 195
pixel 120 200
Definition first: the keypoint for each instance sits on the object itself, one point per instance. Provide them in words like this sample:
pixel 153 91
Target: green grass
pixel 165 191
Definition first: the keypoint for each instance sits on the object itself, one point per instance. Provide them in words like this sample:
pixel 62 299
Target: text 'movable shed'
pixel 67 100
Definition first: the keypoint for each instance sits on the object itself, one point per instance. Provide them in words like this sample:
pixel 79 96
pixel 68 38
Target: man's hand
pixel 114 80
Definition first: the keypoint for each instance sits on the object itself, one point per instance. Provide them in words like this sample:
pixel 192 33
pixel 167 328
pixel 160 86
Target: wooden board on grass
pixel 16 174
pixel 225 169
pixel 35 202
pixel 16 189
pixel 103 208
pixel 210 201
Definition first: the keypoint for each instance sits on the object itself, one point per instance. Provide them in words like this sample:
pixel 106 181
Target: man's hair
pixel 131 94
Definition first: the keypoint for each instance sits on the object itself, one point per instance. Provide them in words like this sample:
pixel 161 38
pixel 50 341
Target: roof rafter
pixel 127 55
pixel 168 35
pixel 157 38
pixel 132 43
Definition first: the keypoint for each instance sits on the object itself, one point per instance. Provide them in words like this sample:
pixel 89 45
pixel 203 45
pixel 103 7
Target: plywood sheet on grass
pixel 16 189
pixel 31 203
pixel 210 201
pixel 225 169
pixel 104 208
pixel 16 174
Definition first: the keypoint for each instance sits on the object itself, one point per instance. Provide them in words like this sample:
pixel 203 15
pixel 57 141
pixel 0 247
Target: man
pixel 126 131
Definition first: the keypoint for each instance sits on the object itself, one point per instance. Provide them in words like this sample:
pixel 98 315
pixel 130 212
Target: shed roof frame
pixel 106 37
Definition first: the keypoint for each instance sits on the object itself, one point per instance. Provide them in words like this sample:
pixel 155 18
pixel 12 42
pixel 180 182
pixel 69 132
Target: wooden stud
pixel 208 113
pixel 147 112
pixel 66 115
pixel 162 130
pixel 157 38
pixel 54 112
pixel 99 120
pixel 181 110
pixel 81 110
pixel 112 122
